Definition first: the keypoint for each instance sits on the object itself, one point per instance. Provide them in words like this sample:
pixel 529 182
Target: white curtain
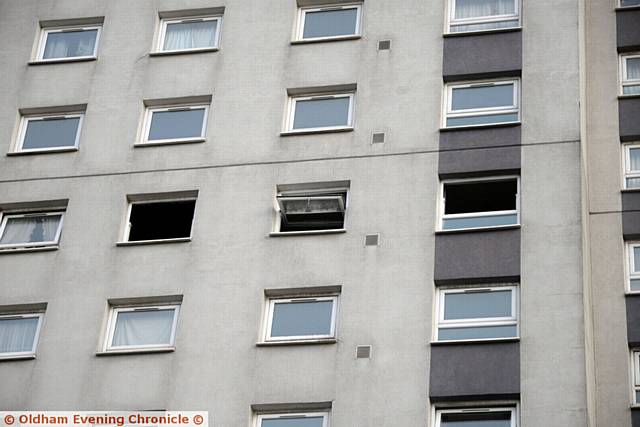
pixel 480 8
pixel 634 159
pixel 633 69
pixel 143 328
pixel 17 335
pixel 64 45
pixel 190 35
pixel 30 230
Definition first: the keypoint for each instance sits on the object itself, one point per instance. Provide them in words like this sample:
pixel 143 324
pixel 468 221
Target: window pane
pixel 143 327
pixel 481 196
pixel 636 259
pixel 637 393
pixel 477 305
pixel 482 97
pixel 190 35
pixel 633 182
pixel 330 23
pixel 294 422
pixel 17 335
pixel 496 419
pixel 301 318
pixel 480 332
pixel 483 120
pixel 631 90
pixel 625 3
pixel 466 9
pixel 481 221
pixel 33 229
pixel 161 220
pixel 70 44
pixel 634 159
pixel 635 284
pixel 176 124
pixel 485 26
pixel 51 133
pixel 633 68
pixel 317 113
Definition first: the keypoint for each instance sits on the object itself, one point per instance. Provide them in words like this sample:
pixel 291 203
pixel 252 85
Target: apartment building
pixel 314 213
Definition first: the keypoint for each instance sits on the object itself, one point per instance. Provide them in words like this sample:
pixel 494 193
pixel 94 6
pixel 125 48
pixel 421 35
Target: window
pixel 483 15
pixel 632 166
pixel 477 313
pixel 329 23
pixel 305 318
pixel 636 377
pixel 308 419
pixel 184 123
pixel 189 34
pixel 476 417
pixel 310 210
pixel 630 74
pixel 482 103
pixel 633 266
pixel 49 133
pixel 480 203
pixel 19 334
pixel 159 220
pixel 30 230
pixel 629 3
pixel 64 43
pixel 320 113
pixel 143 327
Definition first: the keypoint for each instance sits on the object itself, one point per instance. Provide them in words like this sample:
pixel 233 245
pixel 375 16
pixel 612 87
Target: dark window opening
pixel 483 196
pixel 312 212
pixel 499 419
pixel 161 220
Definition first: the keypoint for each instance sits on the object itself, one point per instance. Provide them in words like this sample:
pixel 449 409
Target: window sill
pixel 327 39
pixel 629 96
pixel 305 233
pixel 169 142
pixel 481 32
pixel 14 250
pixel 135 351
pixel 184 52
pixel 478 341
pixel 44 151
pixel 154 242
pixel 62 61
pixel 475 127
pixel 296 342
pixel 632 294
pixel 313 131
pixel 17 358
pixel 479 229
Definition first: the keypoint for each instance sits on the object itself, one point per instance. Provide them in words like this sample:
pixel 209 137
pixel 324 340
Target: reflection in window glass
pixel 330 23
pixel 70 44
pixel 301 318
pixel 482 104
pixel 50 133
pixel 321 113
pixel 477 305
pixel 187 123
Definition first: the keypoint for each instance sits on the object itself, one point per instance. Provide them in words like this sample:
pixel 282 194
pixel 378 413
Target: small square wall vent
pixel 377 138
pixel 363 352
pixel 372 239
pixel 384 45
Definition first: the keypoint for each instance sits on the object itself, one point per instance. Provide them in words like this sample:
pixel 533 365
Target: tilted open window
pixel 175 123
pixel 320 113
pixel 483 15
pixel 331 22
pixel 30 230
pixel 482 103
pixel 480 203
pixel 476 417
pixel 308 318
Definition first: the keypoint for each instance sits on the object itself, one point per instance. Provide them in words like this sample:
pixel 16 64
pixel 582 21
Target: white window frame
pixel 24 123
pixel 441 211
pixel 269 311
pixel 8 215
pixel 628 173
pixel 127 227
pixel 441 323
pixel 113 318
pixel 630 266
pixel 302 13
pixel 453 22
pixel 44 34
pixel 32 352
pixel 320 192
pixel 635 376
pixel 449 113
pixel 478 410
pixel 167 21
pixel 291 112
pixel 619 4
pixel 324 415
pixel 148 116
pixel 624 80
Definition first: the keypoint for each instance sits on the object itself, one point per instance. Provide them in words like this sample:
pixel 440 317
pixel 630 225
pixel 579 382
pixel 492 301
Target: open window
pixel 482 103
pixel 189 34
pixel 477 313
pixel 320 113
pixel 159 220
pixel 480 203
pixel 630 74
pixel 19 334
pixel 68 43
pixel 476 417
pixel 49 132
pixel 331 22
pixel 174 124
pixel 483 15
pixel 141 327
pixel 305 318
pixel 311 210
pixel 23 230
pixel 305 419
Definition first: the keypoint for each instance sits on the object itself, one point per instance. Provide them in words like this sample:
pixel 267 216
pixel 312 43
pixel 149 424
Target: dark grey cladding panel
pixel 635 418
pixel 631 200
pixel 629 117
pixel 628 29
pixel 475 371
pixel 480 137
pixel 477 257
pixel 633 320
pixel 482 55
pixel 631 215
pixel 479 161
